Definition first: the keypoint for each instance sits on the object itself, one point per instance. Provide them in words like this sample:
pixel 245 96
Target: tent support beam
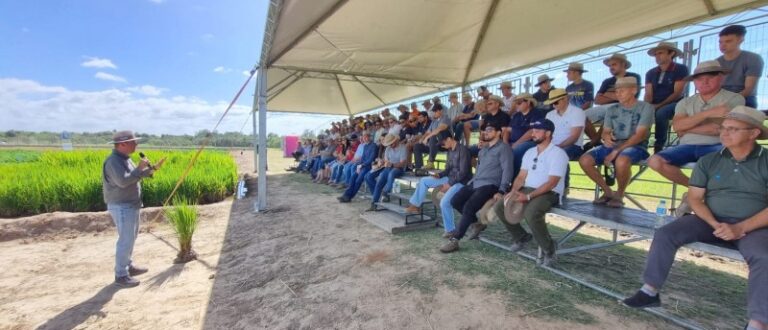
pixel 479 40
pixel 295 79
pixel 710 7
pixel 292 75
pixel 309 30
pixel 344 96
pixel 367 75
pixel 369 90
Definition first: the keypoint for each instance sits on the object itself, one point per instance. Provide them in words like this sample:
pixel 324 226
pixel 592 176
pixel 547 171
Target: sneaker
pixel 451 246
pixel 343 199
pixel 642 300
pixel 136 270
pixel 547 260
pixel 520 244
pixel 449 234
pixel 385 198
pixel 371 209
pixel 126 281
pixel 475 229
pixel 684 208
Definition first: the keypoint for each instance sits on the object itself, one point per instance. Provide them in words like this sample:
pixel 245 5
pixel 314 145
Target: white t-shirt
pixel 553 161
pixel 572 117
pixel 395 129
pixel 508 104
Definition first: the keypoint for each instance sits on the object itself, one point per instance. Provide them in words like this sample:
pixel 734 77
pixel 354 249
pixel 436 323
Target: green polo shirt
pixel 735 189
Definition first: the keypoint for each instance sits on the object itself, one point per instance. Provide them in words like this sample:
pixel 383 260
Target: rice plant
pixel 183 218
pixel 33 182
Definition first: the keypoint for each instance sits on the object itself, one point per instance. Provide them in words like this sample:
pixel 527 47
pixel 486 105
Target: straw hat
pixel 625 82
pixel 453 95
pixel 497 99
pixel 665 45
pixel 751 116
pixel 389 139
pixel 619 57
pixel 707 67
pixel 575 66
pixel 507 84
pixel 555 95
pixel 527 97
pixel 542 79
pixel 466 96
pixel 124 136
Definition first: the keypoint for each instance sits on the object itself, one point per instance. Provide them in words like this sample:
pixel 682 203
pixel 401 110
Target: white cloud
pixel 157 1
pixel 110 77
pixel 247 73
pixel 147 90
pixel 36 107
pixel 207 36
pixel 221 69
pixel 95 62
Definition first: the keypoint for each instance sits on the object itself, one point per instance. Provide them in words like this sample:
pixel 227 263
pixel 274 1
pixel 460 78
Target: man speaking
pixel 121 180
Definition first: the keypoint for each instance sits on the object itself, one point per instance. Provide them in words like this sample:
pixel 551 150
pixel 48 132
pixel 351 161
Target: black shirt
pixel 500 119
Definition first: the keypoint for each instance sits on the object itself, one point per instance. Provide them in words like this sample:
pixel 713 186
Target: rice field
pixel 33 182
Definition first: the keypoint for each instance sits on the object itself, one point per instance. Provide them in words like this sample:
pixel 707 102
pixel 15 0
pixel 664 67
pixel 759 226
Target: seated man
pixel 467 114
pixel 494 117
pixel 728 195
pixel 664 87
pixel 696 121
pixel 569 127
pixel 456 174
pixel 544 83
pixel 606 95
pixel 351 166
pixel 381 181
pixel 429 142
pixel 492 179
pixel 625 140
pixel 538 187
pixel 479 110
pixel 518 133
pixel 361 169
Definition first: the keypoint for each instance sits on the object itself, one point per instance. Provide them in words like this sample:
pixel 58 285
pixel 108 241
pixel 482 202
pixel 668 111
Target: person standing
pixel 121 183
pixel 745 68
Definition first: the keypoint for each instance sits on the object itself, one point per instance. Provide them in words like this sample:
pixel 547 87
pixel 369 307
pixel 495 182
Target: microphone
pixel 144 157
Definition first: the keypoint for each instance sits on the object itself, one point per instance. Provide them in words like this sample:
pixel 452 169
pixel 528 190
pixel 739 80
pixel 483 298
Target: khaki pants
pixel 534 212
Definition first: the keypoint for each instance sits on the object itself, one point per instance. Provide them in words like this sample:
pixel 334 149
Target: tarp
pixel 350 56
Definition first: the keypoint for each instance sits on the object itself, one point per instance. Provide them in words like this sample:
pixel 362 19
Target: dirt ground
pixel 307 262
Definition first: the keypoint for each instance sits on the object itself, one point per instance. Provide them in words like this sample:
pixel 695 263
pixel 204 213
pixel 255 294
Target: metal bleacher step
pixel 400 210
pixel 406 196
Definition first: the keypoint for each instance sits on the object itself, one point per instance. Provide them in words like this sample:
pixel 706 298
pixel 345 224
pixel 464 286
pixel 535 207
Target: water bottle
pixel 661 213
pixel 396 188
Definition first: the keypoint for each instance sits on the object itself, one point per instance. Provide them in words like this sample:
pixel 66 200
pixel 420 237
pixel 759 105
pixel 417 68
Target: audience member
pixel 380 181
pixel 544 83
pixel 744 68
pixel 664 87
pixel 519 133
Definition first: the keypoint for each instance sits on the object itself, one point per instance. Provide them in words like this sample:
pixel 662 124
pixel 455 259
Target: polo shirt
pixel 468 109
pixel 734 189
pixel 395 155
pixel 444 120
pixel 521 123
pixel 608 84
pixel 408 130
pixel 624 122
pixel 663 82
pixel 747 64
pixel 359 151
pixel 692 105
pixel 581 93
pixel 541 96
pixel 572 117
pixel 553 161
pixel 453 111
pixel 500 119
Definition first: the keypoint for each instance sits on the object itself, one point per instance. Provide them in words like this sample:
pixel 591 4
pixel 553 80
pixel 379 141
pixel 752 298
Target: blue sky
pixel 155 66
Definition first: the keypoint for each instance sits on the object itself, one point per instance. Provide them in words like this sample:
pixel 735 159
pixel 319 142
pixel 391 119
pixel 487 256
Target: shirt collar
pixel 671 67
pixel 757 151
pixel 120 154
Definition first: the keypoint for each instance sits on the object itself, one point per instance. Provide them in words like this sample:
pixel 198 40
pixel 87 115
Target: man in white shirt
pixel 537 188
pixel 508 96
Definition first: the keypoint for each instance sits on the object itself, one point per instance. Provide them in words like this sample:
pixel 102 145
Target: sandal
pixel 605 198
pixel 615 203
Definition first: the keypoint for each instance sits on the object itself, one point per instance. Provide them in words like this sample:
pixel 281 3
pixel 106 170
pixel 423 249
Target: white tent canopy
pixel 350 56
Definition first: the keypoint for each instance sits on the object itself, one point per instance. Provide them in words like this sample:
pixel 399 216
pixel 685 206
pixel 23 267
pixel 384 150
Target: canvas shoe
pixel 126 282
pixel 136 270
pixel 520 244
pixel 642 300
pixel 451 246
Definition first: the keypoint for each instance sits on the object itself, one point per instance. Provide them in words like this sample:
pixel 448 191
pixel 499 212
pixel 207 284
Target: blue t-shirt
pixel 663 82
pixel 610 82
pixel 520 123
pixel 581 93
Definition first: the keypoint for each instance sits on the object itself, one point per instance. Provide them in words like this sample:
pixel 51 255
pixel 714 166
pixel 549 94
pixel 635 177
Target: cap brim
pixel 129 140
pixel 693 76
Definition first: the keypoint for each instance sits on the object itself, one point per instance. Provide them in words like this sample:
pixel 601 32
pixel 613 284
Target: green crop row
pixel 40 182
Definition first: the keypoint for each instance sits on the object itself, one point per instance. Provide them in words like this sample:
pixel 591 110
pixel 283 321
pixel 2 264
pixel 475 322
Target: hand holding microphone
pixel 147 164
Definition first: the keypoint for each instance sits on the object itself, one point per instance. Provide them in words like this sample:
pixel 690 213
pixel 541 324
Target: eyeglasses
pixel 731 129
pixel 535 160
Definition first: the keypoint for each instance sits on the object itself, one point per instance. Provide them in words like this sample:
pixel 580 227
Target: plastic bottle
pixel 661 213
pixel 396 188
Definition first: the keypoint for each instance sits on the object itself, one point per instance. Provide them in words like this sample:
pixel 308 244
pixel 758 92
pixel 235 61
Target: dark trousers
pixel 690 228
pixel 420 149
pixel 468 201
pixel 534 213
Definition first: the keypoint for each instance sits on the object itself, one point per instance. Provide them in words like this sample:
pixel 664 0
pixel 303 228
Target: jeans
pixel 381 181
pixel 574 152
pixel 349 168
pixel 663 116
pixel 421 188
pixel 690 228
pixel 336 171
pixel 518 153
pixel 446 209
pixel 357 181
pixel 469 200
pixel 320 164
pixel 302 165
pixel 126 219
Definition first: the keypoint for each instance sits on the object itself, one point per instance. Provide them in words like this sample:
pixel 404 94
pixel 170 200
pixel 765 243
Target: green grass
pixel 71 181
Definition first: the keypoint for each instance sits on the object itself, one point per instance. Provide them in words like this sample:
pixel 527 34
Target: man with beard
pixel 536 189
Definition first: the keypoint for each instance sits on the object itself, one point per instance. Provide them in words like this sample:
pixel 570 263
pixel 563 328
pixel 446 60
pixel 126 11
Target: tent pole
pixel 262 183
pixel 254 108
